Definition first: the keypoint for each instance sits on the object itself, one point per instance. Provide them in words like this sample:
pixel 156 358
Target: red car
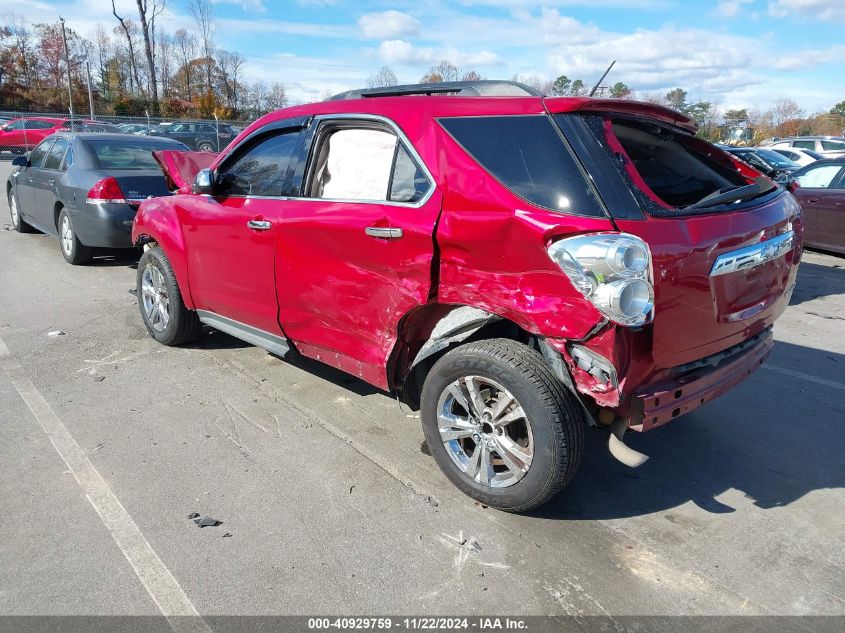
pixel 21 135
pixel 519 268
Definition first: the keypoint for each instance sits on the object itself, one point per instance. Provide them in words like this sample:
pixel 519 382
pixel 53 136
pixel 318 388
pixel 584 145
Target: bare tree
pixel 444 71
pixel 128 30
pixel 164 60
pixel 382 78
pixel 200 11
pixel 471 75
pixel 147 14
pixel 186 48
pixel 783 111
pixel 277 97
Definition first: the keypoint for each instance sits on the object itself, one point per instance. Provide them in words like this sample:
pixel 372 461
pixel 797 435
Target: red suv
pixel 518 268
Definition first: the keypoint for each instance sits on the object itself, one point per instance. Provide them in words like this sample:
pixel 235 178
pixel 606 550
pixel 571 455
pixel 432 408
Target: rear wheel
pixel 17 221
pixel 162 309
pixel 74 251
pixel 500 425
pixel 206 146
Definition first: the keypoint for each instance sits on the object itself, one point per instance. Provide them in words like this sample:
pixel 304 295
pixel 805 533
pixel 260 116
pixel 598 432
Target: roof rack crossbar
pixel 484 87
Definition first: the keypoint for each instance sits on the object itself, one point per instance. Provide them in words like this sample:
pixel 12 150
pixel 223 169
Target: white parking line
pixel 808 377
pixel 163 588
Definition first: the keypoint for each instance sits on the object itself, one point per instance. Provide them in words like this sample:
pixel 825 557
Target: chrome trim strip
pixel 271 342
pixel 751 256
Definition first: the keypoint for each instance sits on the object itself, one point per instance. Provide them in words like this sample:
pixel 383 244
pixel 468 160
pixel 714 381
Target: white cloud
pixel 824 10
pixel 389 24
pixel 404 53
pixel 730 8
pixel 254 6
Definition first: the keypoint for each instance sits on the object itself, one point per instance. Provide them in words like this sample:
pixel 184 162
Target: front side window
pixel 39 125
pixel 260 169
pixel 819 177
pixel 38 154
pixel 527 155
pixel 56 154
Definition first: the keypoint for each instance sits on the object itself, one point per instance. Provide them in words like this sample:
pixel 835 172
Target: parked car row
pixel 518 268
pixel 22 134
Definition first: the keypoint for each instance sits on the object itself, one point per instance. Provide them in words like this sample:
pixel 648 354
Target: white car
pixel 798 154
pixel 827 146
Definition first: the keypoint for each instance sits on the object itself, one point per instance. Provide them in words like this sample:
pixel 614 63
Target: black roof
pixel 483 88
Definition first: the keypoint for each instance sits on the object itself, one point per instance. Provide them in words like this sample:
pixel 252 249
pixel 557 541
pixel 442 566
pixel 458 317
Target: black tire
pixel 74 251
pixel 206 146
pixel 553 415
pixel 182 325
pixel 18 222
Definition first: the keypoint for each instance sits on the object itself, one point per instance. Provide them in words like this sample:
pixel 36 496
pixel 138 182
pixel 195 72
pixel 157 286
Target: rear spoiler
pixel 181 167
pixel 621 106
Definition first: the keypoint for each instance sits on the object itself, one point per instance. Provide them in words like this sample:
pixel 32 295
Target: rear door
pixel 233 235
pixel 45 181
pixel 356 249
pixel 820 196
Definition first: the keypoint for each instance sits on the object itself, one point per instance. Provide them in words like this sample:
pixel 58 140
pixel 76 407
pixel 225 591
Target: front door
pixel 44 183
pixel 232 235
pixel 356 249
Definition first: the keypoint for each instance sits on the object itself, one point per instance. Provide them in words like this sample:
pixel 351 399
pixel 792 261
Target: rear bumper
pixel 659 404
pixel 104 225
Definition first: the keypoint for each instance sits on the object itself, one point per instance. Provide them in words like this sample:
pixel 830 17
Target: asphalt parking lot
pixel 330 504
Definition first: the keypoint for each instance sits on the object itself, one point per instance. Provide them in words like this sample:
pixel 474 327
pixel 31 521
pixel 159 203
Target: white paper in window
pixel 359 165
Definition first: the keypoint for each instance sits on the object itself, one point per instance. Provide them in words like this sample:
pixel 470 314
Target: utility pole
pixel 90 94
pixel 67 63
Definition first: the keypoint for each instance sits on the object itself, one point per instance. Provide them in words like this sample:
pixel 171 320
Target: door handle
pixel 383 232
pixel 259 225
pixel 812 200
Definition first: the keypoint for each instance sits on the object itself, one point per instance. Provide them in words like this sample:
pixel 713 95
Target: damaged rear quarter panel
pixel 493 252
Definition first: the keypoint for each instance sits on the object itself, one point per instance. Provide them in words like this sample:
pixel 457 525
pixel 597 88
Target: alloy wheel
pixel 155 299
pixel 67 235
pixel 485 430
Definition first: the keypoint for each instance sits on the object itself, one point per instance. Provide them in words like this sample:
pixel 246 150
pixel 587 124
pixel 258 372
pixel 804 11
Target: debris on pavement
pixel 203 521
pixel 475 545
pixel 351 488
pixel 55 333
pixel 193 515
pixel 227 535
pixel 99 378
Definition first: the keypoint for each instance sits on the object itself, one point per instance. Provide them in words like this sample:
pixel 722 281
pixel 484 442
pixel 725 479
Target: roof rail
pixel 483 88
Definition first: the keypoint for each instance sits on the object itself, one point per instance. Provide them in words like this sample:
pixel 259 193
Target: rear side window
pixel 127 153
pixel 804 144
pixel 56 154
pixel 528 156
pixel 260 169
pixel 833 146
pixel 365 163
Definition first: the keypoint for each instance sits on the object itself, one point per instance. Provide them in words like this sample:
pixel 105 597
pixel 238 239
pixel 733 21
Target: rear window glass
pixel 127 154
pixel 674 167
pixel 527 155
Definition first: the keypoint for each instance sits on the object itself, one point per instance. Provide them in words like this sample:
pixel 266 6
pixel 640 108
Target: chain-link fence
pixel 21 131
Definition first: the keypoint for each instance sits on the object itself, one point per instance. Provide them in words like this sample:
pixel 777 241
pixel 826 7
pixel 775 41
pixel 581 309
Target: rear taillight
pixel 106 191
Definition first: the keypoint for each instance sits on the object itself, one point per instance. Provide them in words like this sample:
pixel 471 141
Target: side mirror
pixel 20 161
pixel 792 185
pixel 204 182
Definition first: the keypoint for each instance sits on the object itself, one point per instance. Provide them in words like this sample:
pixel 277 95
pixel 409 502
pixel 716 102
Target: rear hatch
pixel 725 241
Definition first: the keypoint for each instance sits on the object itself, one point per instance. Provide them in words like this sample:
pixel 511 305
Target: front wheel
pixel 206 146
pixel 18 222
pixel 162 309
pixel 500 425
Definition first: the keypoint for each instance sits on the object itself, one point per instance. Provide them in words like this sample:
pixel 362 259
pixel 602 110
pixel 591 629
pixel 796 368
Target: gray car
pixel 85 188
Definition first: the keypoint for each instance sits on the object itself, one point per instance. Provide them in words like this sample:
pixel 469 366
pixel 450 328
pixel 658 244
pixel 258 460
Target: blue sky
pixel 739 53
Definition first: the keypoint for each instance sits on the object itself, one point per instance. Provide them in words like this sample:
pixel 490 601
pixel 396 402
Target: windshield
pixel 128 154
pixel 776 160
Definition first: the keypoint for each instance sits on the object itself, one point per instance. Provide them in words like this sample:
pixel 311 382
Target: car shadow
pixel 815 281
pixel 774 438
